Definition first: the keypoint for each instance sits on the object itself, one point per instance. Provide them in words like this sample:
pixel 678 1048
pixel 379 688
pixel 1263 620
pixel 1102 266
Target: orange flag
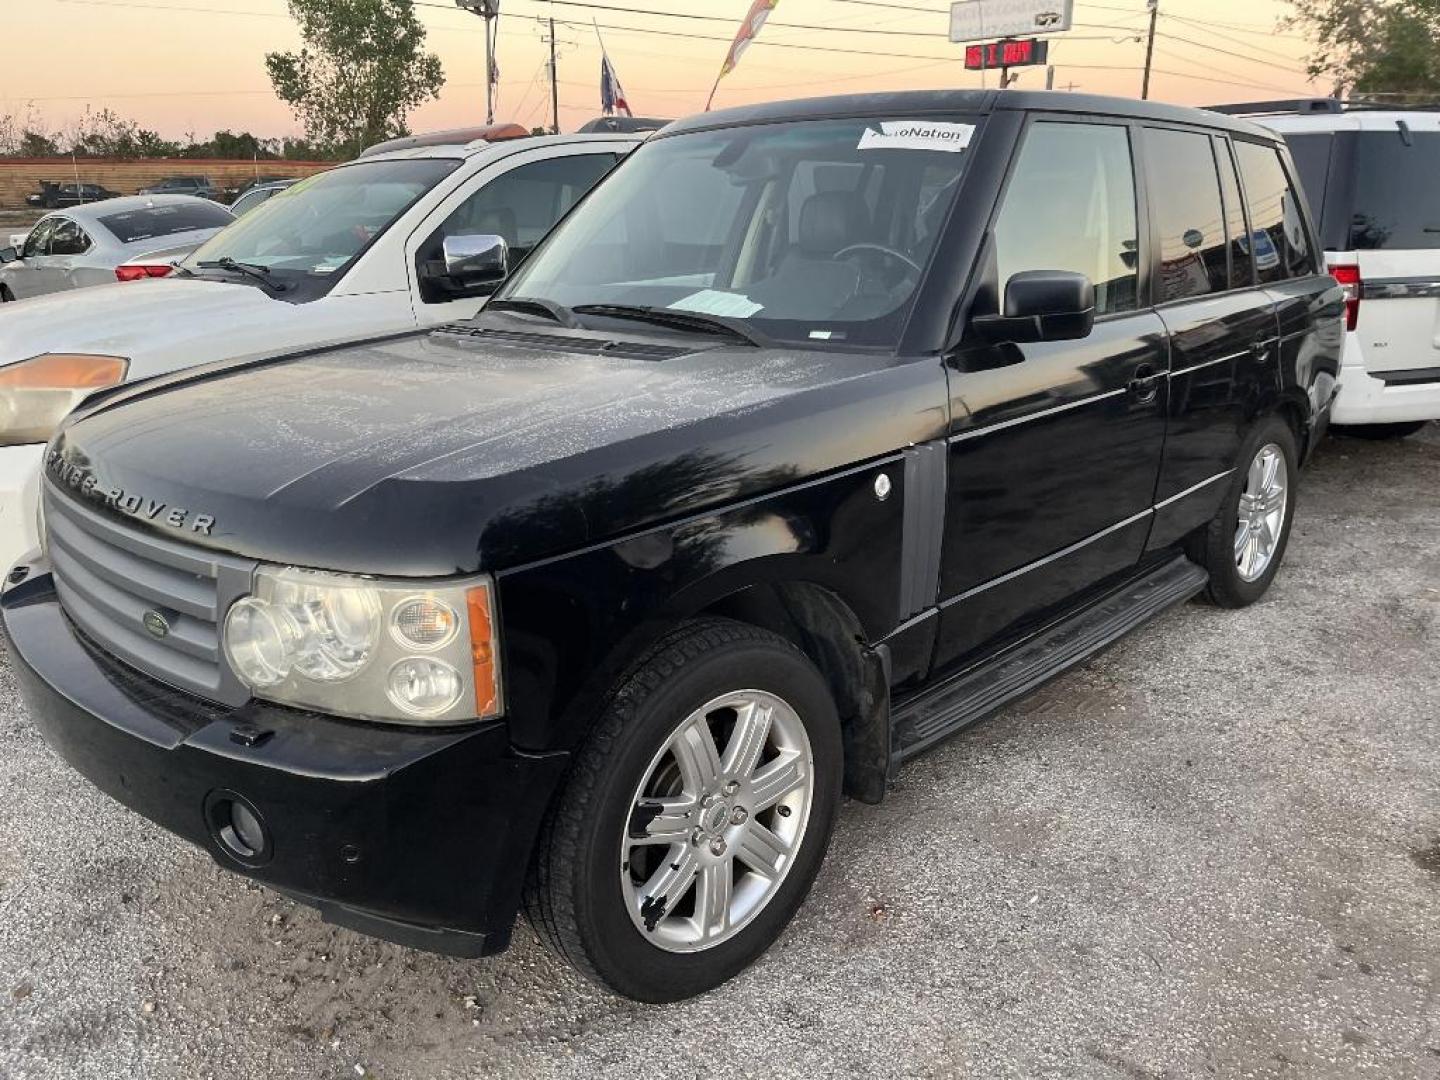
pixel 759 12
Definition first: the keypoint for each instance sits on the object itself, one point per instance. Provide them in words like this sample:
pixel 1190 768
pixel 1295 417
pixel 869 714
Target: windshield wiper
pixel 257 271
pixel 534 305
pixel 674 319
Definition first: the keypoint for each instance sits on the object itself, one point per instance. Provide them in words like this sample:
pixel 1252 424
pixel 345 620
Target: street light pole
pixel 1154 6
pixel 489 10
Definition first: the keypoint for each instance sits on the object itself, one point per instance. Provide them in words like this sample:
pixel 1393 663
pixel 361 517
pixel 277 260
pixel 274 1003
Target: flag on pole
pixel 612 94
pixel 749 30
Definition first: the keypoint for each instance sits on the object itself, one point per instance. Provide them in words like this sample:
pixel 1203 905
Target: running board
pixel 938 713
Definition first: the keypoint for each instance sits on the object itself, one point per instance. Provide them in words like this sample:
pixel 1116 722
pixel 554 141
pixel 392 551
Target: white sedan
pixel 381 245
pixel 82 245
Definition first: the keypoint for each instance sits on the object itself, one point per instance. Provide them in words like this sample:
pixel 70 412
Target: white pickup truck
pixel 351 253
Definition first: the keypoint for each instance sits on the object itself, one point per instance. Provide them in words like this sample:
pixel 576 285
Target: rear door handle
pixel 1260 349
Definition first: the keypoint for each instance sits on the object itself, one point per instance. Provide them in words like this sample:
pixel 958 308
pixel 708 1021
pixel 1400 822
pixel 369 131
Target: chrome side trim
pixel 909 624
pixel 1193 490
pixel 1208 363
pixel 1053 411
pixel 1055 557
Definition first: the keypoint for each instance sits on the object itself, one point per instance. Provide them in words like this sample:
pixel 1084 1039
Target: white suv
pixel 1373 180
pixel 352 253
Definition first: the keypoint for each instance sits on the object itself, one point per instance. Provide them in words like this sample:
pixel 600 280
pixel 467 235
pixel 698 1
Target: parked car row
pixel 53 196
pixel 814 433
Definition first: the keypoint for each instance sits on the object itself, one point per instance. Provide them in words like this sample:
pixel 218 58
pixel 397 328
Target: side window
pixel 1189 218
pixel 1242 266
pixel 1282 250
pixel 523 204
pixel 1071 206
pixel 68 239
pixel 38 242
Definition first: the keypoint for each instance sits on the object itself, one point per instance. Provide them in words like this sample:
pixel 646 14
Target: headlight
pixel 36 394
pixel 372 649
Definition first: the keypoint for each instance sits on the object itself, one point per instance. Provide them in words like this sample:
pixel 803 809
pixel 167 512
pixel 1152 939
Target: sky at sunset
pixel 182 66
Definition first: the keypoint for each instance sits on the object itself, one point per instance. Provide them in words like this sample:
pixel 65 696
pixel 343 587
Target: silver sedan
pixel 82 245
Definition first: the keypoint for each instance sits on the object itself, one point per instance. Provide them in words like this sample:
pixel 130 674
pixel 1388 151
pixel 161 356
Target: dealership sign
pixel 1006 54
pixel 976 20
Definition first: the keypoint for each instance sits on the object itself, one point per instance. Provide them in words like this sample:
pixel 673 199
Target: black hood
pixel 453 452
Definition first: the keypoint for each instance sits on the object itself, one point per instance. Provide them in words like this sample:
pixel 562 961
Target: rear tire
pixel 648 874
pixel 5 297
pixel 1245 544
pixel 1380 432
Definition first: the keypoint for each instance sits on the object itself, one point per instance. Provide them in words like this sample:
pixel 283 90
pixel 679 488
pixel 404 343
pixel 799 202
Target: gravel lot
pixel 1215 851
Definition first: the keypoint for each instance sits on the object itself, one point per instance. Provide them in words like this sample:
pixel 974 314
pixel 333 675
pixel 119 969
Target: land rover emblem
pixel 156 624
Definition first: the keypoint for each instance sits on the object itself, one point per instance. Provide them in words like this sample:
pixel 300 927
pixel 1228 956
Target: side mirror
pixel 475 258
pixel 9 255
pixel 1042 305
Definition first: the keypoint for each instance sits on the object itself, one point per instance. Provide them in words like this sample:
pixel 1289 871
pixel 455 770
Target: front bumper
pixel 419 837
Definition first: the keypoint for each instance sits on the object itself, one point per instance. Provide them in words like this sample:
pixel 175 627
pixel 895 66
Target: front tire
pixel 1380 432
pixel 1244 546
pixel 695 818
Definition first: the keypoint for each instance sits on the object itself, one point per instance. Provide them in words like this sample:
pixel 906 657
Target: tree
pixel 107 134
pixel 361 71
pixel 25 136
pixel 1380 48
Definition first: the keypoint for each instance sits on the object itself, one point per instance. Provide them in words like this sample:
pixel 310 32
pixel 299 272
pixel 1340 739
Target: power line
pixel 1232 40
pixel 1225 52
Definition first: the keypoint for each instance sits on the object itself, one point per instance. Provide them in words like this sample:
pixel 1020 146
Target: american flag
pixel 612 94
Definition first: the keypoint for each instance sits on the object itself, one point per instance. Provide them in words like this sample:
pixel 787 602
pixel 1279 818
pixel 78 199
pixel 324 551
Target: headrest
pixel 832 220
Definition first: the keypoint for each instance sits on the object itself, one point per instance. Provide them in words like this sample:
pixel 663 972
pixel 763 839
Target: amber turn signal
pixel 483 650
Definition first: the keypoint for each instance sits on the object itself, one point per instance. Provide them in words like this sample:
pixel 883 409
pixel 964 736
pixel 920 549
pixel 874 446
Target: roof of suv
pixel 1359 120
pixel 480 146
pixel 912 102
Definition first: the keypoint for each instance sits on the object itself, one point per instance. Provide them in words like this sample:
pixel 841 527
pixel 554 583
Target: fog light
pixel 245 828
pixel 238 827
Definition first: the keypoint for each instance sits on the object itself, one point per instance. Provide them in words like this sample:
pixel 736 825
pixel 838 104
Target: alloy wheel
pixel 717 821
pixel 1261 518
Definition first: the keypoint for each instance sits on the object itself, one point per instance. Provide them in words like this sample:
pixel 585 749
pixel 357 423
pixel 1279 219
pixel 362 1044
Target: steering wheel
pixel 855 249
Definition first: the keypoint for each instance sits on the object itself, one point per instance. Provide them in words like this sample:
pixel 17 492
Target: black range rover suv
pixel 817 432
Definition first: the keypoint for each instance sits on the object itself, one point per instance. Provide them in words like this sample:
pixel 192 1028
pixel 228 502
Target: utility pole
pixel 554 83
pixel 1154 6
pixel 489 10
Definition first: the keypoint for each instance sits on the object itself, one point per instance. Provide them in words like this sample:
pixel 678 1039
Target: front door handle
pixel 1260 349
pixel 1144 387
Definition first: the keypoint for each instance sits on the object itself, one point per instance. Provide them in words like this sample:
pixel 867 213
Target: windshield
pixel 806 231
pixel 151 222
pixel 318 226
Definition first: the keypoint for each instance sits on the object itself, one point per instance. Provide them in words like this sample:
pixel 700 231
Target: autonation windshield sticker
pixel 918 135
pixel 716 302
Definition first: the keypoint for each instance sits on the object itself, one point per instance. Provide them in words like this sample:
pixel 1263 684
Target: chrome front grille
pixel 152 603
